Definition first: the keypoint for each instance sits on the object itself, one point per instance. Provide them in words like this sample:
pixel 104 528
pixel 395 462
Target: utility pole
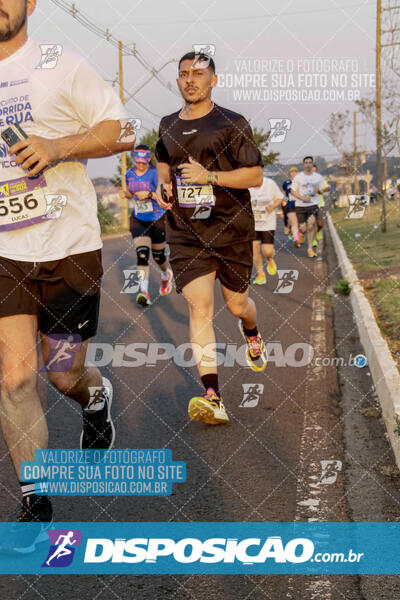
pixel 355 174
pixel 125 212
pixel 380 194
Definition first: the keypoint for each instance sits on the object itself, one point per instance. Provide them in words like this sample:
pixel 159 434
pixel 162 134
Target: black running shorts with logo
pixel 64 294
pixel 152 229
pixel 265 237
pixel 303 213
pixel 232 264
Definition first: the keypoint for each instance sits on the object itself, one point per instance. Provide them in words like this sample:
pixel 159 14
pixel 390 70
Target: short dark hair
pixel 142 147
pixel 305 158
pixel 198 57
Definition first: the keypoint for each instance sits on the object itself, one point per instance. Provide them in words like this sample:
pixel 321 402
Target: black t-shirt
pixel 222 140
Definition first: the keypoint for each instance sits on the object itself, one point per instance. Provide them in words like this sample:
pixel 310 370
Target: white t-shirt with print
pixel 305 185
pixel 261 197
pixel 67 99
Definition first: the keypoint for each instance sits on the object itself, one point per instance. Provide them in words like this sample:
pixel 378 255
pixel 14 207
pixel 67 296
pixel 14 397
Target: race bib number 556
pixel 23 202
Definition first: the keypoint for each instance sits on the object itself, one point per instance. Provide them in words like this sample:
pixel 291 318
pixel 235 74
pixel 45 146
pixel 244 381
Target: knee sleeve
pixel 143 255
pixel 159 256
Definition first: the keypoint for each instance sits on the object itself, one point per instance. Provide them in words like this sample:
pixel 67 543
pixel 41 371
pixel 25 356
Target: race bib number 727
pixel 194 194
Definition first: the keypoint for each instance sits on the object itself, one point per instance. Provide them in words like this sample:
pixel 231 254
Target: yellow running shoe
pixel 311 253
pixel 260 279
pixel 319 235
pixel 271 266
pixel 208 408
pixel 256 354
pixel 143 299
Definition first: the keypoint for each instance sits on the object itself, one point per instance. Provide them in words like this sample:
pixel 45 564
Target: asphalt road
pixel 264 465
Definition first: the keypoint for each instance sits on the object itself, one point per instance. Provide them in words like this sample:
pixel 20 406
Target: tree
pixel 261 138
pixel 321 163
pixel 390 137
pixel 150 139
pixel 337 128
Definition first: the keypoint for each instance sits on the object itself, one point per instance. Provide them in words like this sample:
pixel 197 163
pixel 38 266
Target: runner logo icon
pixel 62 547
pixel 201 212
pixel 62 351
pixel 95 396
pixel 329 471
pixel 129 129
pixel 251 394
pixel 133 277
pixel 50 54
pixel 55 204
pixel 278 129
pixel 203 50
pixel 287 278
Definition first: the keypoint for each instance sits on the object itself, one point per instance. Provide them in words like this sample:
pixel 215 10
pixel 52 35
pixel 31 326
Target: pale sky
pixel 261 47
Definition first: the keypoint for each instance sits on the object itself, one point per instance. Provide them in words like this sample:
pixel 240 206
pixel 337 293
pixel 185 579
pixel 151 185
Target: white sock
pixel 164 275
pixel 144 286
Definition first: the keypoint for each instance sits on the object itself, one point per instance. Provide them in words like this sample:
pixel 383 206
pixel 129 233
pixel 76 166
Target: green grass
pixel 386 300
pixel 366 246
pixel 372 250
pixel 342 287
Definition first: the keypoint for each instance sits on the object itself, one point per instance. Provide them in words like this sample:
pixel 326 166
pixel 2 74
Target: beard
pixel 200 98
pixel 12 27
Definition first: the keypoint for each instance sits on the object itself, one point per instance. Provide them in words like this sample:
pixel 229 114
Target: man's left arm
pixel 240 179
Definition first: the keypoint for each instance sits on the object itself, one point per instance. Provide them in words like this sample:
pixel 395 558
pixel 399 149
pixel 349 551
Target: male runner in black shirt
pixel 207 160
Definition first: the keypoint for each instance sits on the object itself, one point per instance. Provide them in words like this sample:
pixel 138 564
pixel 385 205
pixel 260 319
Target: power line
pixel 128 50
pixel 265 15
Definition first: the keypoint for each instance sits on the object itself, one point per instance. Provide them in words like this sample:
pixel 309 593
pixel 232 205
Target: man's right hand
pixel 168 192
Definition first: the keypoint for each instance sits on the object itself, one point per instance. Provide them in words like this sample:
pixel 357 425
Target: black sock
pixel 250 332
pixel 211 380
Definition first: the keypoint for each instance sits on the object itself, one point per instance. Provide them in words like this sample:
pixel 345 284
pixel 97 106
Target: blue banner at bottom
pixel 200 548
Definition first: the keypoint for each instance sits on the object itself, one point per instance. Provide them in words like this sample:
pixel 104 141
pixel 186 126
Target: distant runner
pixel 321 210
pixel 289 208
pixel 147 223
pixel 306 187
pixel 265 200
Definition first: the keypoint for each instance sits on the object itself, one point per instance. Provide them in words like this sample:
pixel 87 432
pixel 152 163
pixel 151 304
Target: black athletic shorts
pixel 303 213
pixel 64 294
pixel 265 237
pixel 232 264
pixel 288 208
pixel 152 229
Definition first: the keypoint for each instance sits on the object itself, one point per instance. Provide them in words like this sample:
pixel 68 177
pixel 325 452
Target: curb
pixel 382 366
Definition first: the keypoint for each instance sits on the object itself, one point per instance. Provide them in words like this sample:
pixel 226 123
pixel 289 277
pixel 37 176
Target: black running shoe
pixel 36 511
pixel 98 429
